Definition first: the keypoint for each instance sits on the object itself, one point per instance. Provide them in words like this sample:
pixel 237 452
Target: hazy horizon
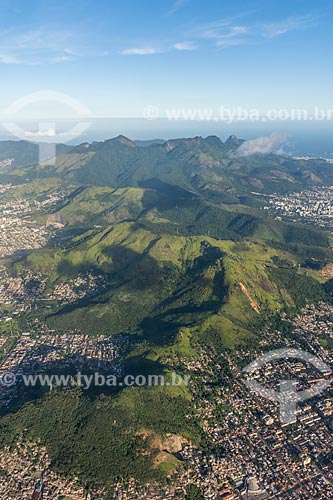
pixel 299 137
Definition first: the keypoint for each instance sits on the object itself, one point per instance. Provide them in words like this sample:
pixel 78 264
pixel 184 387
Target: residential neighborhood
pixel 260 456
pixel 313 206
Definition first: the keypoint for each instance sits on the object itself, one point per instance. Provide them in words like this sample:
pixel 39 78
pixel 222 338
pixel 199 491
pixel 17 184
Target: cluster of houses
pixel 17 228
pixel 261 456
pixel 310 206
pixel 33 354
pixel 26 475
pixel 78 288
pixel 29 289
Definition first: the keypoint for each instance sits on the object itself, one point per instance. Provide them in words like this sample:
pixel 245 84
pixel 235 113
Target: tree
pixel 194 493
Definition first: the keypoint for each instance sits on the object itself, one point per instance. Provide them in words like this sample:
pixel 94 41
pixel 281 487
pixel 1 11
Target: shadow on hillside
pixel 137 270
pixel 138 292
pixel 157 299
pixel 132 283
pixel 120 265
pixel 171 196
pixel 187 306
pixel 65 373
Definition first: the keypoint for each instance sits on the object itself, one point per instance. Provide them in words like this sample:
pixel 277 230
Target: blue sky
pixel 117 58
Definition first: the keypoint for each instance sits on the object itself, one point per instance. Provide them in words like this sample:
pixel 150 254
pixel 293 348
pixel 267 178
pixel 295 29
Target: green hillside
pixel 167 244
pixel 204 166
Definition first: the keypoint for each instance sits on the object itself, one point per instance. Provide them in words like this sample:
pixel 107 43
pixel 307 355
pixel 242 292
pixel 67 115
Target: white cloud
pixel 42 133
pixel 140 51
pixel 272 30
pixel 213 30
pixel 62 58
pixel 46 44
pixel 185 46
pixel 263 145
pixel 49 133
pixel 225 33
pixel 44 38
pixel 8 59
pixel 231 42
pixel 176 6
pixel 235 36
pixel 43 45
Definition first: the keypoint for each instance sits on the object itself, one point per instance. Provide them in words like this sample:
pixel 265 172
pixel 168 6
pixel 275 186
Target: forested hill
pixel 205 166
